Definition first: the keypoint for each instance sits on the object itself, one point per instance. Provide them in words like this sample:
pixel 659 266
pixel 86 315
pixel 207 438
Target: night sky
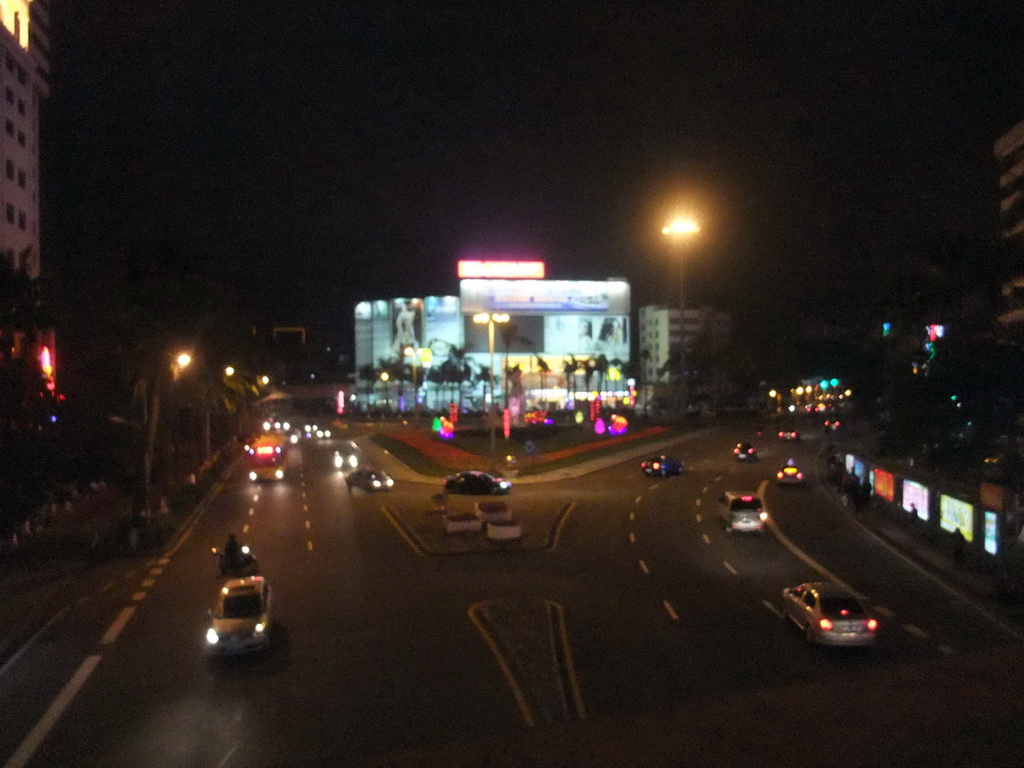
pixel 318 153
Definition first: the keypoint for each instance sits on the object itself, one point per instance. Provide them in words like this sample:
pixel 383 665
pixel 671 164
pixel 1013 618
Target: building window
pixel 21 106
pixel 10 63
pixel 10 213
pixel 22 77
pixel 21 138
pixel 21 219
pixel 21 178
pixel 10 169
pixel 10 95
pixel 9 127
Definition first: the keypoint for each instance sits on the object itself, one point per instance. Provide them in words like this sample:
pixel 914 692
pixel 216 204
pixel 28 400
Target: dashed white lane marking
pixel 915 631
pixel 309 545
pixel 881 610
pixel 83 599
pixel 164 560
pixel 251 511
pixel 671 610
pixel 155 571
pixel 728 567
pixel 131 573
pixel 697 502
pixel 718 479
pixel 637 499
pixel 115 629
pixel 307 525
pixel 632 515
pixel 245 528
pixel 138 596
pixel 698 518
pixel 772 608
pixel 632 538
pixel 35 737
pixel 945 649
pixel 643 567
pixel 256 497
pixel 707 539
pixel 106 587
pixel 305 508
pixel 704 489
pixel 148 582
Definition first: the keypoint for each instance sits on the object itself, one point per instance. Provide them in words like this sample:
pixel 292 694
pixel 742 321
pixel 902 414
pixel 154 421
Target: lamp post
pixel 181 362
pixel 680 231
pixel 491 318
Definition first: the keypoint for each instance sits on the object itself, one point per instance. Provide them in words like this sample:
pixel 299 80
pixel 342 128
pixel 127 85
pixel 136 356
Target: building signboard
pixel 915 498
pixel 955 514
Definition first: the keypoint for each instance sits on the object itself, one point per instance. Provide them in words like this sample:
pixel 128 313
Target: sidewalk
pixel 970 578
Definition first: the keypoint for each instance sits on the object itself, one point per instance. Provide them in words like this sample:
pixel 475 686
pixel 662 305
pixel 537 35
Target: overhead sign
pixel 509 270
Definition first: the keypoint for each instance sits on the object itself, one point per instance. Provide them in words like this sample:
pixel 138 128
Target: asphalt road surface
pixel 646 636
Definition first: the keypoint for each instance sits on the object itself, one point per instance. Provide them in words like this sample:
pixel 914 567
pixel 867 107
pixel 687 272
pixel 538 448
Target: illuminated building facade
pixel 563 341
pixel 24 82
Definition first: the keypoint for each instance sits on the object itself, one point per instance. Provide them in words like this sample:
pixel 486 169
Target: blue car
pixel 662 466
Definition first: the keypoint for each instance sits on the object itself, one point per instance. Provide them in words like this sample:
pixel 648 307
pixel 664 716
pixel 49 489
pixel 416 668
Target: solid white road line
pixel 772 608
pixel 671 610
pixel 728 567
pixel 35 737
pixel 115 629
pixel 643 567
pixel 915 631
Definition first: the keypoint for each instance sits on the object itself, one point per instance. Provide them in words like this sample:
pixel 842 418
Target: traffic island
pixel 464 529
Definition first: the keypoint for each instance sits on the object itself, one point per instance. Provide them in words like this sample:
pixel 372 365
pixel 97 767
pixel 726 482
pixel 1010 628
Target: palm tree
pixel 600 367
pixel 544 369
pixel 569 368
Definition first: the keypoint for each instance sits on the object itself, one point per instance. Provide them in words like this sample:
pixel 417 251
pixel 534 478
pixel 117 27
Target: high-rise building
pixel 663 328
pixel 1009 155
pixel 24 82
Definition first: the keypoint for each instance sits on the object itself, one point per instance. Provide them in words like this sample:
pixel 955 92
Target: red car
pixel 789 434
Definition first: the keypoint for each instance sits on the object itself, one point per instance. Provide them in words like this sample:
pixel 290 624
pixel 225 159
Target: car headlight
pixel 211 636
pixel 252 475
pixel 337 462
pixel 294 439
pixel 327 433
pixel 763 515
pixel 376 483
pixel 390 482
pixel 279 474
pixel 353 461
pixel 259 628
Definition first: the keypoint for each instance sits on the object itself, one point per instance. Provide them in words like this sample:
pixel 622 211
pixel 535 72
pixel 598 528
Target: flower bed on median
pixel 452 456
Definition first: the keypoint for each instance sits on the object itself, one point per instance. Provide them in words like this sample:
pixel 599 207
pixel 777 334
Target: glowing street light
pixel 229 371
pixel 680 231
pixel 490 318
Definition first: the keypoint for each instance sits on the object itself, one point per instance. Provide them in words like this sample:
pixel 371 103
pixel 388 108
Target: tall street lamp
pixel 180 362
pixel 491 318
pixel 680 231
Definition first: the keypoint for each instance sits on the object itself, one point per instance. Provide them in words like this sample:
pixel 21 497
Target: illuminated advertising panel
pixel 586 335
pixel 885 485
pixel 915 499
pixel 364 334
pixel 540 297
pixel 381 324
pixel 956 515
pixel 442 329
pixel 850 460
pixel 407 315
pixel 507 270
pixel 991 533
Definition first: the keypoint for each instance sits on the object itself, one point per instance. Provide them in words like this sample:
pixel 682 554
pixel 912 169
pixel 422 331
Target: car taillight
pixel 825 624
pixel 781 434
pixel 872 624
pixel 736 450
pixel 799 475
pixel 656 465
